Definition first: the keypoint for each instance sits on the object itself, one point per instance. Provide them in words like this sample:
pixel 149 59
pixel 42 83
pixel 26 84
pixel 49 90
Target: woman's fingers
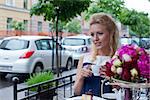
pixel 86 72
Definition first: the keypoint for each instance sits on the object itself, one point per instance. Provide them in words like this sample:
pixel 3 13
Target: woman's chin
pixel 99 47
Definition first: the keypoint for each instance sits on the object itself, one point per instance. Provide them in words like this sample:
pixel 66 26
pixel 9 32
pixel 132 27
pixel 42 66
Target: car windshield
pixel 73 42
pixel 14 44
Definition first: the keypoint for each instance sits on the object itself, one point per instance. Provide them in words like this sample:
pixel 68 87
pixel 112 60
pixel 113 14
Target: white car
pixel 30 54
pixel 1 39
pixel 77 46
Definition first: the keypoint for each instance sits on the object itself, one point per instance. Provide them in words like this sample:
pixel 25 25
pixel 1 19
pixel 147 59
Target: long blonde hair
pixel 107 21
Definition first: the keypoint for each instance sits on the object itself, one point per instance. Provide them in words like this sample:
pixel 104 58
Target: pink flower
pixel 130 63
pixel 144 65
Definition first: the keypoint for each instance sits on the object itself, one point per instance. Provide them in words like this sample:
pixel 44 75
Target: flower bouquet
pixel 130 66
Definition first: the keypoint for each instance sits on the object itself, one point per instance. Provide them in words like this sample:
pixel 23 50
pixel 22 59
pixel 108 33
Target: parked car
pixel 1 39
pixel 125 40
pixel 77 46
pixel 30 54
pixel 145 43
pixel 135 41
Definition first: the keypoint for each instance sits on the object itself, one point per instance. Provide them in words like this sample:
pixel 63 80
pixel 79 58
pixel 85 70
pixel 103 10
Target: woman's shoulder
pixel 101 60
pixel 87 57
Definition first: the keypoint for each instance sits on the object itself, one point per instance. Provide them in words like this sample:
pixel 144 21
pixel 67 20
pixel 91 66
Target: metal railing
pixel 62 82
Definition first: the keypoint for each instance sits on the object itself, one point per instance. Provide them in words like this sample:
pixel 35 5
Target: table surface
pixel 79 98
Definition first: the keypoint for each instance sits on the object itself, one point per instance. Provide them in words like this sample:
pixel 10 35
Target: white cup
pixel 95 70
pixel 100 61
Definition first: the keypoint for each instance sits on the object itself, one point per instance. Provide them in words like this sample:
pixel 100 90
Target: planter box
pixel 48 95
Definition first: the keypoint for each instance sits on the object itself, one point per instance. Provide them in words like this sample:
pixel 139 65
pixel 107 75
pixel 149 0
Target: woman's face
pixel 100 36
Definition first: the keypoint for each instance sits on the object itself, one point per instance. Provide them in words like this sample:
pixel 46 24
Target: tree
pixel 138 22
pixel 73 26
pixel 67 8
pixel 109 6
pixel 17 25
pixel 62 10
pixel 61 26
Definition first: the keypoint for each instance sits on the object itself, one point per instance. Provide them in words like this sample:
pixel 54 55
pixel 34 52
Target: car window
pixel 73 41
pixel 89 41
pixel 125 41
pixel 14 44
pixel 53 44
pixel 43 44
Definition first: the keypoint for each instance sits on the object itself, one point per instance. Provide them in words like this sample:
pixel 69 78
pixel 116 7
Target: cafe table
pixel 80 98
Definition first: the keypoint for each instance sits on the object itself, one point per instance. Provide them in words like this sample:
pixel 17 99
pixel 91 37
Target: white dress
pixel 100 61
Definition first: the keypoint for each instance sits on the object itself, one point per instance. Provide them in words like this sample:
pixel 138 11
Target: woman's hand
pixel 102 72
pixel 85 72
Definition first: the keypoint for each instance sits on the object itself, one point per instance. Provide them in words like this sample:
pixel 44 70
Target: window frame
pixel 10 2
pixel 9 23
pixel 39 26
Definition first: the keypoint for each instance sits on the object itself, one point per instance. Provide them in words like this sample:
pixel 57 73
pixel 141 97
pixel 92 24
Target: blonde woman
pixel 104 33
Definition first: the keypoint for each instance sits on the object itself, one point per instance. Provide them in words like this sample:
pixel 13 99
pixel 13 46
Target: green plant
pixel 40 77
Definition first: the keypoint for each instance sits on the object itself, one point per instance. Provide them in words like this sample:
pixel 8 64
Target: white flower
pixel 113 69
pixel 117 62
pixel 114 57
pixel 116 53
pixel 126 57
pixel 119 70
pixel 134 72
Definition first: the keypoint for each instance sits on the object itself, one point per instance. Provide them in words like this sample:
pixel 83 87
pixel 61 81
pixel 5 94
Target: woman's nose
pixel 95 37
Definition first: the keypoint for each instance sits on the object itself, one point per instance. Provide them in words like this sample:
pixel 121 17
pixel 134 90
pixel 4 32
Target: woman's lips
pixel 97 43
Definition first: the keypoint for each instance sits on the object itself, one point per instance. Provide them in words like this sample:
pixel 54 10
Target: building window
pixel 39 26
pixel 25 25
pixel 25 4
pixel 10 2
pixel 9 22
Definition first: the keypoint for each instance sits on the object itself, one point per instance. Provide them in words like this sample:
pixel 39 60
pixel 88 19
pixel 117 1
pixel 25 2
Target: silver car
pixel 30 54
pixel 77 46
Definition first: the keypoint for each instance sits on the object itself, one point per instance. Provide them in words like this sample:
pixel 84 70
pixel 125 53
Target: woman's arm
pixel 81 74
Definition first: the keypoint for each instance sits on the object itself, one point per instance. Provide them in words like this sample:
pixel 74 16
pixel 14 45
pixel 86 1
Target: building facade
pixel 19 10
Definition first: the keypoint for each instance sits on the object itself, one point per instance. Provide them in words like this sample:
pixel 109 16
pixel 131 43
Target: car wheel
pixel 3 75
pixel 69 64
pixel 38 68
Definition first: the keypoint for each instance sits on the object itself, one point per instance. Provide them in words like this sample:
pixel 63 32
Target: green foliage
pixel 61 26
pixel 40 77
pixel 73 26
pixel 137 22
pixel 17 25
pixel 109 6
pixel 67 8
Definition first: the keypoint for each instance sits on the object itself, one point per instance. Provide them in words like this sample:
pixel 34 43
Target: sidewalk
pixel 7 93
